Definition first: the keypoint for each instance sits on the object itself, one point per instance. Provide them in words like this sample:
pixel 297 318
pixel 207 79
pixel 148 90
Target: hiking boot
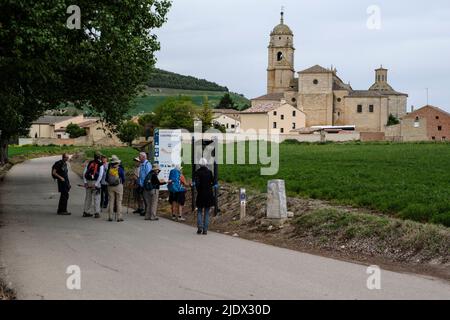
pixel 64 213
pixel 199 231
pixel 97 216
pixel 110 220
pixel 181 219
pixel 137 211
pixel 174 217
pixel 87 215
pixel 205 233
pixel 120 220
pixel 154 219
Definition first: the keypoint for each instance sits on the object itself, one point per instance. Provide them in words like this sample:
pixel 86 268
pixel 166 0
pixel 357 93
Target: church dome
pixel 282 29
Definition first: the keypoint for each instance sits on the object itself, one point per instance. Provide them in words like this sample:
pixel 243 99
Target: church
pixel 319 95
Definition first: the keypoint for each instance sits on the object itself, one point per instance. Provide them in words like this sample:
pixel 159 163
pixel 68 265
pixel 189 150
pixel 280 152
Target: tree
pixel 392 121
pixel 176 113
pixel 75 131
pixel 147 122
pixel 205 114
pixel 226 102
pixel 129 131
pixel 101 65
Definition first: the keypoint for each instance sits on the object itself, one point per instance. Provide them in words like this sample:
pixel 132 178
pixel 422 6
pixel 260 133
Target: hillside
pixel 170 80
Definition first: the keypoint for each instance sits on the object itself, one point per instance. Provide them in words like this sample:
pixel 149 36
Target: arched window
pixel 279 56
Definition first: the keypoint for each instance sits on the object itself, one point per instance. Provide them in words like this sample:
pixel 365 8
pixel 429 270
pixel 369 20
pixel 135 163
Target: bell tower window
pixel 279 56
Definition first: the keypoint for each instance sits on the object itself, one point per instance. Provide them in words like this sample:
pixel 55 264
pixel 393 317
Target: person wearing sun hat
pixel 115 177
pixel 137 191
pixel 151 192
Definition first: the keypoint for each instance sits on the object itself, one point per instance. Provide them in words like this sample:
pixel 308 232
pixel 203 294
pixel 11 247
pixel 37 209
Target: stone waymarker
pixel 276 200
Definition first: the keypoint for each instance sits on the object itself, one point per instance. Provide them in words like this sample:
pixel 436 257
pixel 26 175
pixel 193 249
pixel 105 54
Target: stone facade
pixel 322 96
pixel 279 117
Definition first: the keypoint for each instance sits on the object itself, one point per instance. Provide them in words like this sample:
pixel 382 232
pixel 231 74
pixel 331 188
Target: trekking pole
pixel 128 200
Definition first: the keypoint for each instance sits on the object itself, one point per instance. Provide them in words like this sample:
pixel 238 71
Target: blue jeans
pixel 202 223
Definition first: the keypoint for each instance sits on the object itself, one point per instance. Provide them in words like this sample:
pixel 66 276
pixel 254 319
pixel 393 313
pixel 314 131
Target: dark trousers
pixel 104 197
pixel 63 199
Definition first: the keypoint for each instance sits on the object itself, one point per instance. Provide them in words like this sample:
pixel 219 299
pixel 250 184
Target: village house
pixel 428 123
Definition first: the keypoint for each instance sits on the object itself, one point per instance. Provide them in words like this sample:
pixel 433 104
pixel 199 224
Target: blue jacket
pixel 144 170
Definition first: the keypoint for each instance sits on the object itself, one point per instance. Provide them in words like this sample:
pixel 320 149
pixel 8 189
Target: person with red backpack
pixel 92 176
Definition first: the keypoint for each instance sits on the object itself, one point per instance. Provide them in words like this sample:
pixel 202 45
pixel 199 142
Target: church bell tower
pixel 280 72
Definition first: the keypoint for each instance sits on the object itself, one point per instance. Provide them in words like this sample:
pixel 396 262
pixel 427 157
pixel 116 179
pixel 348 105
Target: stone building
pixel 320 93
pixel 425 124
pixel 280 117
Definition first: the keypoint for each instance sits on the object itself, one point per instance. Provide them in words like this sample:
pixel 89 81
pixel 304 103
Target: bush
pixel 75 131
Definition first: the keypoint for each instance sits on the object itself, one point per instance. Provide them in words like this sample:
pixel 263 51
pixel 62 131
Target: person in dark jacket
pixel 61 173
pixel 152 196
pixel 204 183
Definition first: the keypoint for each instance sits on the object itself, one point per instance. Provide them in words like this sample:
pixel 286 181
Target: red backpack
pixel 92 171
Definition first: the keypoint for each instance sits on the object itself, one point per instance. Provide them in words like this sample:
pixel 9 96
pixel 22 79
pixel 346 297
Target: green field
pixel 30 150
pixel 409 181
pixel 154 97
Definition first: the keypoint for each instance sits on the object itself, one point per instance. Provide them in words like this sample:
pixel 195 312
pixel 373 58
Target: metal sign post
pixel 243 201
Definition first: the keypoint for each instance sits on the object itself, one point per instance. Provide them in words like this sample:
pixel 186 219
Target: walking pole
pixel 128 200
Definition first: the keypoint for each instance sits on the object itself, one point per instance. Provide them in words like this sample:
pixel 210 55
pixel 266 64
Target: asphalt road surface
pixel 139 259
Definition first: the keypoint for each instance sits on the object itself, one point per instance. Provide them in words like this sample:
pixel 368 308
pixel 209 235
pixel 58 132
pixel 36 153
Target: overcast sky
pixel 225 41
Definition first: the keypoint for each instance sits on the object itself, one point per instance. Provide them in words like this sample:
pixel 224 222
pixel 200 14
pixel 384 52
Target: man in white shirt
pixel 92 176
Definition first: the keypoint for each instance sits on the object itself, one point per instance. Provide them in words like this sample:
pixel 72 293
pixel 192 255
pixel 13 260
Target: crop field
pixel 410 181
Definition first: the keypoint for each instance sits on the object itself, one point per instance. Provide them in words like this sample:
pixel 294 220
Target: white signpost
pixel 167 151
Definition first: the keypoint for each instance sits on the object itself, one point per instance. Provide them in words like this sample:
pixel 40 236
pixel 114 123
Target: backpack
pixel 175 185
pixel 56 165
pixel 113 176
pixel 92 171
pixel 148 186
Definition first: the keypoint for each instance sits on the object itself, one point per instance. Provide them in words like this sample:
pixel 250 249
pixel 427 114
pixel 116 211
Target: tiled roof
pixel 51 119
pixel 414 113
pixel 271 97
pixel 316 69
pixel 364 94
pixel 263 108
pixel 87 123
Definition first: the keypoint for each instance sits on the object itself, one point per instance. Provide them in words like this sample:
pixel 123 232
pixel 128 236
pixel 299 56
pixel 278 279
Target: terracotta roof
pixel 414 113
pixel 316 69
pixel 51 119
pixel 87 123
pixel 271 97
pixel 263 108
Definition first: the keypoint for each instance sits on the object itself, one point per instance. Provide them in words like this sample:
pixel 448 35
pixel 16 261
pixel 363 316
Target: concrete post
pixel 276 200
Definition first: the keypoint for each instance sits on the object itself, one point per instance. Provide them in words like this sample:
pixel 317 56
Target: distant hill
pixel 152 97
pixel 170 80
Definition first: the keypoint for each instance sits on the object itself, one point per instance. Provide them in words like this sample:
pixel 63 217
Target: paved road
pixel 162 260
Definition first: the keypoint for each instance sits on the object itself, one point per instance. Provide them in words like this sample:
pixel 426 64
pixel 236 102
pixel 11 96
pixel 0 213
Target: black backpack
pixel 148 186
pixel 56 166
